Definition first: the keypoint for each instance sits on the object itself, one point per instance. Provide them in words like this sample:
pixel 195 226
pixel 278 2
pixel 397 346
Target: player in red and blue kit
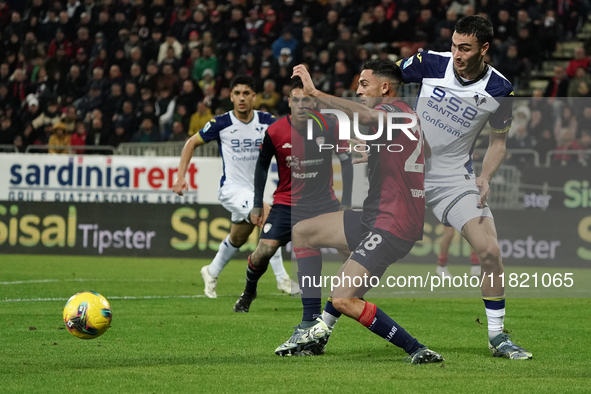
pixel 305 181
pixel 384 232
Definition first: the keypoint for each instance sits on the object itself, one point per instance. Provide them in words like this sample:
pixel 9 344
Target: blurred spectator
pixel 269 31
pixel 285 59
pixel 207 61
pixel 443 42
pixel 118 136
pixel 296 25
pixel 520 140
pixel 190 95
pixel 580 60
pixel 70 119
pixel 164 109
pixel 345 43
pixel 147 132
pixel 545 144
pixel 75 83
pixel 225 103
pixel 178 133
pixel 78 138
pixel 182 115
pixel 585 144
pixel 170 42
pixel 528 47
pixel 341 75
pixel 283 105
pixel 59 138
pixel 207 80
pixel 574 85
pixel 512 67
pixel 42 125
pixel 268 96
pixel 200 118
pixel 558 85
pixel 8 133
pixel 403 30
pixel 548 33
pixel 91 101
pixel 327 31
pixel 565 128
pixel 285 41
pixel 380 28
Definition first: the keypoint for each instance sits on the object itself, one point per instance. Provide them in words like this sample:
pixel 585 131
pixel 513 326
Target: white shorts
pixel 238 201
pixel 454 205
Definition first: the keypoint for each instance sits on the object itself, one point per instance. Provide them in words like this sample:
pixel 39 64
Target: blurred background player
pixel 305 182
pixel 441 269
pixel 239 134
pixel 384 232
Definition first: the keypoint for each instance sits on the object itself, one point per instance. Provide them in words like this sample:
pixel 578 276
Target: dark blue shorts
pixel 373 248
pixel 282 218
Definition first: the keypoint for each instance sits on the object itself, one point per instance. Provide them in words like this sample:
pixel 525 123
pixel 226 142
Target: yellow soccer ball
pixel 87 315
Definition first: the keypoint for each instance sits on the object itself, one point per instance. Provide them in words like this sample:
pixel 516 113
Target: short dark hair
pixel 477 26
pixel 383 68
pixel 296 83
pixel 243 80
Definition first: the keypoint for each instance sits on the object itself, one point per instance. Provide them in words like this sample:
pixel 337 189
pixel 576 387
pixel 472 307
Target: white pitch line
pixel 155 297
pixel 22 282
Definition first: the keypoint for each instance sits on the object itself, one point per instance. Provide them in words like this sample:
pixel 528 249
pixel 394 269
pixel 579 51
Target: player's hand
pixel 484 191
pixel 344 207
pixel 179 186
pixel 362 144
pixel 256 216
pixel 301 71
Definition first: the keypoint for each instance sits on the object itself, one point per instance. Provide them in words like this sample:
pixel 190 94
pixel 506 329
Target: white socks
pixel 222 257
pixel 227 251
pixel 495 319
pixel 277 264
pixel 329 319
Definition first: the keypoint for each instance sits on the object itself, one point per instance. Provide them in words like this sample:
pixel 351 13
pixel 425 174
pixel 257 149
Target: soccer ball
pixel 87 315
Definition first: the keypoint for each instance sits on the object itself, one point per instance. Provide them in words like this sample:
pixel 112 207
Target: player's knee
pixel 262 255
pixel 489 254
pixel 301 233
pixel 238 240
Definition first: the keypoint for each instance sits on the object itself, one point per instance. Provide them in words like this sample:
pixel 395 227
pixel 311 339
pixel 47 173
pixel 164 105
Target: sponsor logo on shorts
pixel 267 227
pixel 361 252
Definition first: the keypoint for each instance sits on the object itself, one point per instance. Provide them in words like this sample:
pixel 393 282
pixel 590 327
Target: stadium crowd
pixel 103 72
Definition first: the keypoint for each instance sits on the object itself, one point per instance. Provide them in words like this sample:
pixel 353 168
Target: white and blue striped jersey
pixel 453 111
pixel 239 145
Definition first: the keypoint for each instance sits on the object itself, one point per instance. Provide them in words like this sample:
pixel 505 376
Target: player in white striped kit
pixel 239 134
pixel 459 94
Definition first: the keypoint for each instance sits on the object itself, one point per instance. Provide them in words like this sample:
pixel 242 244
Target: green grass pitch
pixel 162 342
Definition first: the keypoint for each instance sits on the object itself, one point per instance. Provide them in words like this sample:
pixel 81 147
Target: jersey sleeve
pixel 267 151
pixel 266 118
pixel 501 120
pixel 502 91
pixel 424 64
pixel 211 130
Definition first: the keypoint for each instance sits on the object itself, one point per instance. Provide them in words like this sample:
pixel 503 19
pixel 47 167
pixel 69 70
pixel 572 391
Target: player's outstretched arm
pixel 180 184
pixel 367 116
pixel 260 179
pixel 492 161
